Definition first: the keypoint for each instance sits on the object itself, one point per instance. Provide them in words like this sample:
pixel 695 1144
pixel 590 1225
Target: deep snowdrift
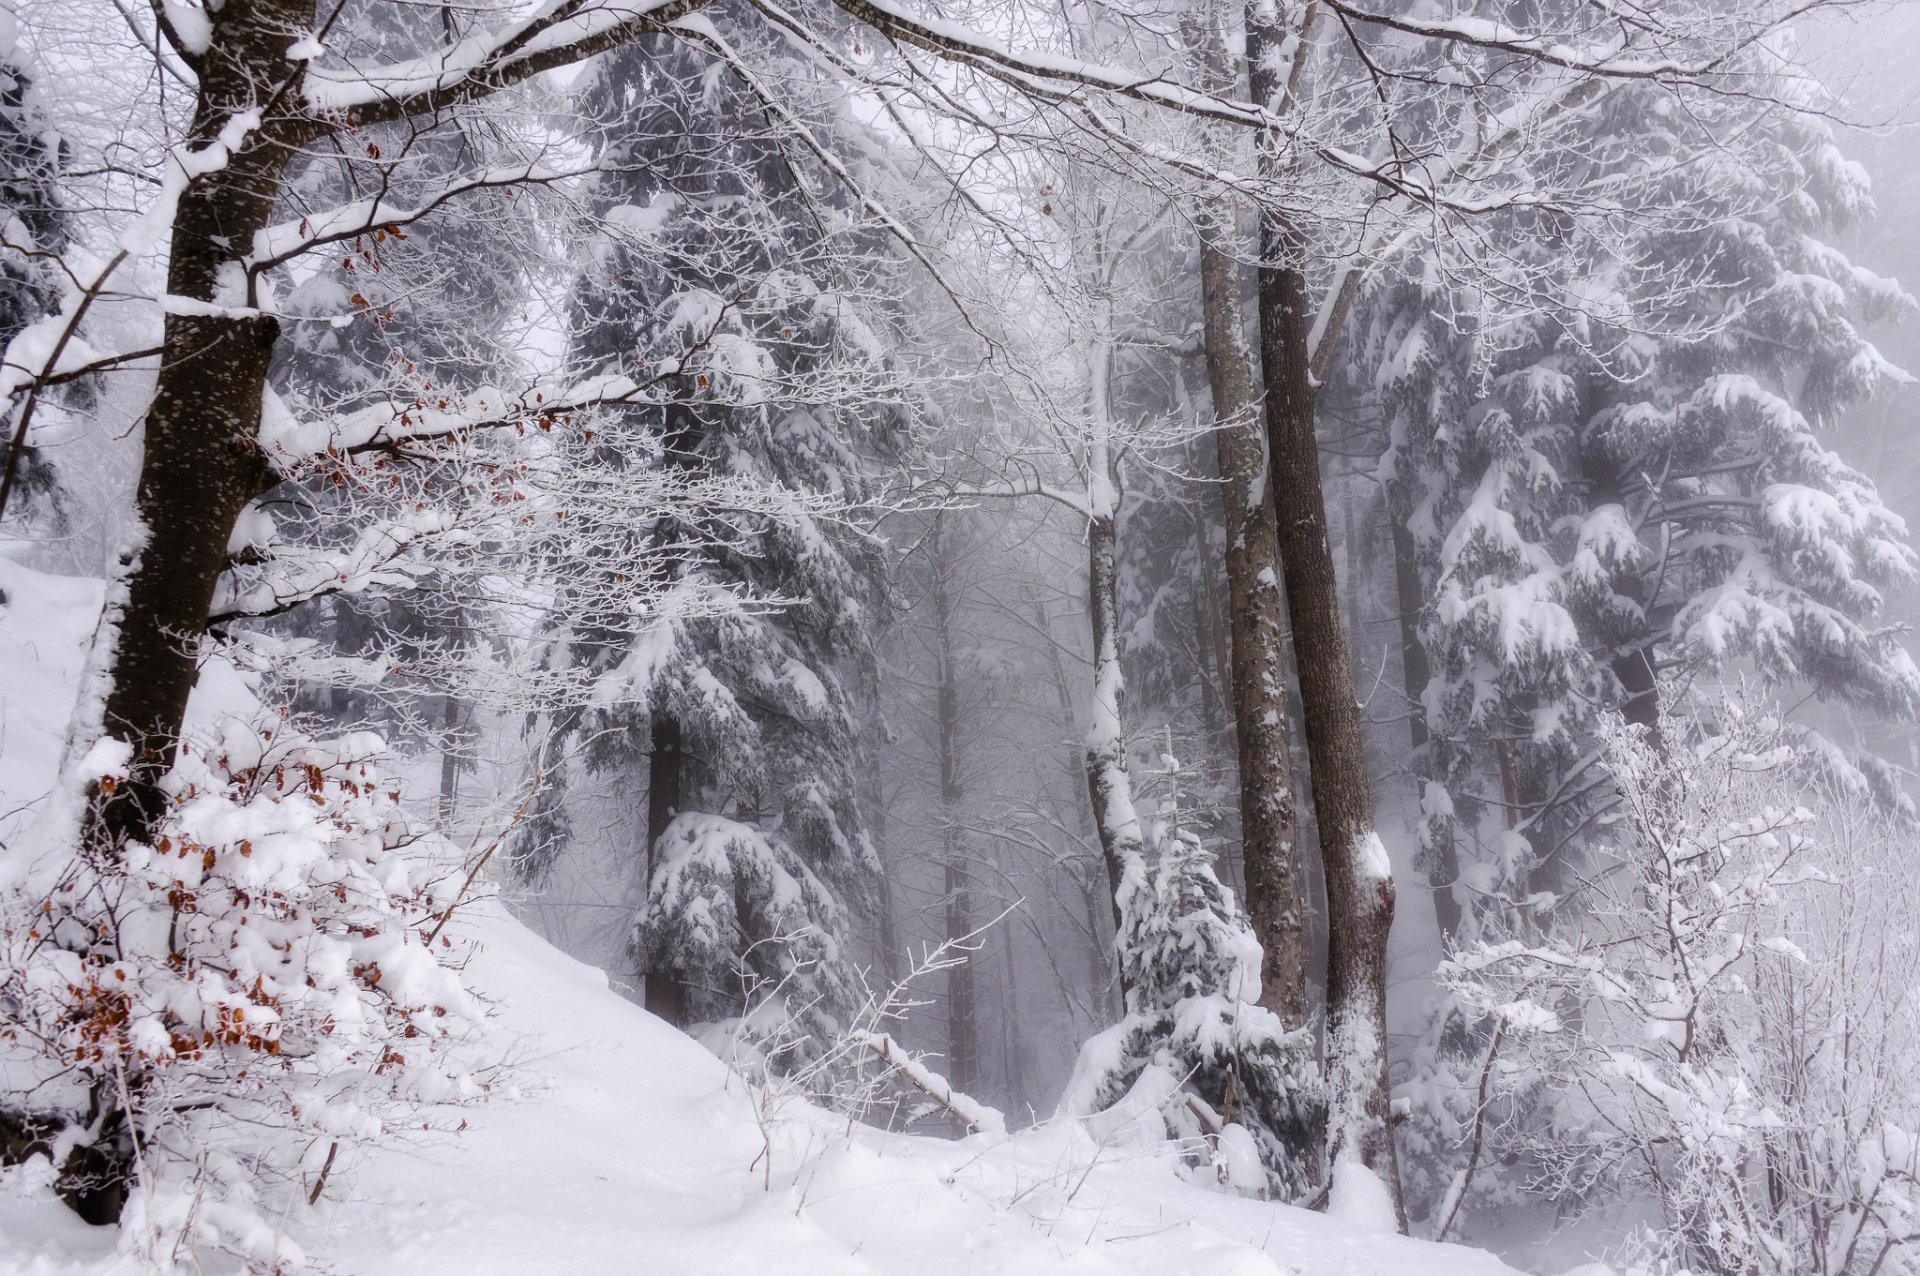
pixel 614 1144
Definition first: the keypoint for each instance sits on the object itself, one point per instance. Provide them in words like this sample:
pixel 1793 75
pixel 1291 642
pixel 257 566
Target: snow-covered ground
pixel 615 1144
pixel 618 1145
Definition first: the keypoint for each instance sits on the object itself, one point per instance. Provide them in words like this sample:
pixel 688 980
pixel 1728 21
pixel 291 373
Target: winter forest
pixel 737 637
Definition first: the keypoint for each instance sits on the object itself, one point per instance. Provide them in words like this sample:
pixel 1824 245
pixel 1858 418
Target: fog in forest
pixel 1289 609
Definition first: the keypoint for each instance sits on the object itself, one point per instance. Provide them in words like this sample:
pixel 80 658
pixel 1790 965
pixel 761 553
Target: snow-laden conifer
pixel 1721 1036
pixel 1196 1057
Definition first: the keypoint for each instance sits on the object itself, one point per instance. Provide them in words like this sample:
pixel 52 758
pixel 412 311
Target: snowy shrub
pixel 751 936
pixel 1196 1057
pixel 204 1025
pixel 1721 1035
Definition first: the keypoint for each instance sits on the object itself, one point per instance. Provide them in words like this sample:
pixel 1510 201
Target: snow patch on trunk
pixel 1359 1198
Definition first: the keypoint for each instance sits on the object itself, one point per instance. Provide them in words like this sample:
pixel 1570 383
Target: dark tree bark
pixel 1270 845
pixel 1359 888
pixel 201 461
pixel 666 774
pixel 1443 859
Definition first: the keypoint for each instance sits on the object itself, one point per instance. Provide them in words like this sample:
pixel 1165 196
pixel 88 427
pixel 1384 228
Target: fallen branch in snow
pixel 970 1112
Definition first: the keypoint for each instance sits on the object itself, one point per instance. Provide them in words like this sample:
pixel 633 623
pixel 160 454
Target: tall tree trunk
pixel 201 461
pixel 963 1028
pixel 1108 784
pixel 1359 882
pixel 888 924
pixel 1436 839
pixel 449 757
pixel 1013 1042
pixel 1271 848
pixel 1099 954
pixel 666 772
pixel 201 464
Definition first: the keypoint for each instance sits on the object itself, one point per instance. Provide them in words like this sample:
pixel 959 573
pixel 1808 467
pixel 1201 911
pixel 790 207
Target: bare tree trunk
pixel 1443 859
pixel 1013 1042
pixel 201 461
pixel 963 1029
pixel 889 926
pixel 1268 837
pixel 666 769
pixel 1359 881
pixel 449 758
pixel 1108 783
pixel 1099 955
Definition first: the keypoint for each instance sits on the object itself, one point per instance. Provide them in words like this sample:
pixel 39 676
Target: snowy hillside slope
pixel 616 1144
pixel 639 1151
pixel 620 1146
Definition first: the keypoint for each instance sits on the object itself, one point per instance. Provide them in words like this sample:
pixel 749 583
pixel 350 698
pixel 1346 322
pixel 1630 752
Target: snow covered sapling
pixel 1196 1057
pixel 1729 1046
pixel 208 1021
pixel 752 935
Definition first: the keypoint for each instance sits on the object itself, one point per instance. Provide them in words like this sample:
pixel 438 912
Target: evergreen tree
pixel 1196 1057
pixel 1597 499
pixel 728 252
pixel 33 225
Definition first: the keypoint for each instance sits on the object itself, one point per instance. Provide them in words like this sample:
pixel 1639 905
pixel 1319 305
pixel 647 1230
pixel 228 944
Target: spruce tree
pixel 730 251
pixel 1598 499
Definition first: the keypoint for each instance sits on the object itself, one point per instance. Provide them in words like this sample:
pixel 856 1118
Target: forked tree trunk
pixel 1359 882
pixel 1258 680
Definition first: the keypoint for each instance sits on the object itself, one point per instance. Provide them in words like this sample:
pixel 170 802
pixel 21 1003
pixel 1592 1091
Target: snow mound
pixel 628 1147
pixel 615 1144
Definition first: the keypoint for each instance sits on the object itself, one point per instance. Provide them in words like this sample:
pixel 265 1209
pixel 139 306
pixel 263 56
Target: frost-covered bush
pixel 1196 1058
pixel 202 1027
pixel 750 935
pixel 1721 1035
